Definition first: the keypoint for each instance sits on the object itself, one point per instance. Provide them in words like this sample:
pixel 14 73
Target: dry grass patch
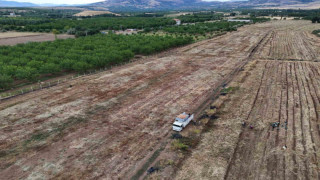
pixel 93 13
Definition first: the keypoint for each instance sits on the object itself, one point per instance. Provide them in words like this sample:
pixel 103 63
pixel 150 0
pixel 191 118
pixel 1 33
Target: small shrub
pixel 178 145
pixel 225 91
pixel 316 32
pixel 197 131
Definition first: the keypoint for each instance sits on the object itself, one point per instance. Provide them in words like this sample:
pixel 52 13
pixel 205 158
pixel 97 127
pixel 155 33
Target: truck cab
pixel 177 126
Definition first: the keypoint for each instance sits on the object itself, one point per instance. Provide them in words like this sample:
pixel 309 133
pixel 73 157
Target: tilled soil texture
pixel 105 125
pixel 291 41
pixel 288 93
pixel 284 90
pixel 20 38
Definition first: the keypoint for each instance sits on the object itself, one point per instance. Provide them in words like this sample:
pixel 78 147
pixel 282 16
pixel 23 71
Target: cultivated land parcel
pixel 108 124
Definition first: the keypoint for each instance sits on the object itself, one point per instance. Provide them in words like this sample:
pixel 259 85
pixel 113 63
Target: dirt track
pixel 106 125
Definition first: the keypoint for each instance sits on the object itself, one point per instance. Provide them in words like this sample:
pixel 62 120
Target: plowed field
pixel 288 93
pixel 291 41
pixel 285 91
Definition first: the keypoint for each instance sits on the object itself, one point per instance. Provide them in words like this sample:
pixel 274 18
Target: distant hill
pixel 295 4
pixel 16 4
pixel 154 4
pixel 194 4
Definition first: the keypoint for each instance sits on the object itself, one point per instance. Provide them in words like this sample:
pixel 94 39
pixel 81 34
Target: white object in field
pixel 181 121
pixel 178 22
pixel 240 20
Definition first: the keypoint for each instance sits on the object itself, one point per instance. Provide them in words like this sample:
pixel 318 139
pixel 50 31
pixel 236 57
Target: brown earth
pixel 93 13
pixel 106 126
pixel 291 41
pixel 13 38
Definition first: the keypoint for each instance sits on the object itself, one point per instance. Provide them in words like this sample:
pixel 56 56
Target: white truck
pixel 182 121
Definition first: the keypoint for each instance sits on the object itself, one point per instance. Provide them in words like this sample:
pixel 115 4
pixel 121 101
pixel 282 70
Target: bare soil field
pixel 285 91
pixel 291 42
pixel 108 125
pixel 93 13
pixel 4 35
pixel 270 91
pixel 13 38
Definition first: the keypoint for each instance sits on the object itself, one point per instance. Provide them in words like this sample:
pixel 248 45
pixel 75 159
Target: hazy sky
pixel 59 1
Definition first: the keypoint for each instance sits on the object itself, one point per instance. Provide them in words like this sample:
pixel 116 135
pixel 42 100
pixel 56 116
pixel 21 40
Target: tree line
pixel 315 19
pixel 82 26
pixel 38 12
pixel 31 61
pixel 203 28
pixel 282 12
pixel 200 17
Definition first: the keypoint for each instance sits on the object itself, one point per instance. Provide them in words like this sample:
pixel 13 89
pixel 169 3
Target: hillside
pixel 152 4
pixel 199 4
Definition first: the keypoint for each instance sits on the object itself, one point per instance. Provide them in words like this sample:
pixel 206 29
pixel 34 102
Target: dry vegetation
pixel 5 35
pixel 291 41
pixel 113 124
pixel 93 13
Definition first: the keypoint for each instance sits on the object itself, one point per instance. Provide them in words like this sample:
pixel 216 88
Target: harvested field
pixel 106 126
pixel 288 92
pixel 5 35
pixel 93 13
pixel 13 38
pixel 291 42
pixel 273 92
pixel 285 91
